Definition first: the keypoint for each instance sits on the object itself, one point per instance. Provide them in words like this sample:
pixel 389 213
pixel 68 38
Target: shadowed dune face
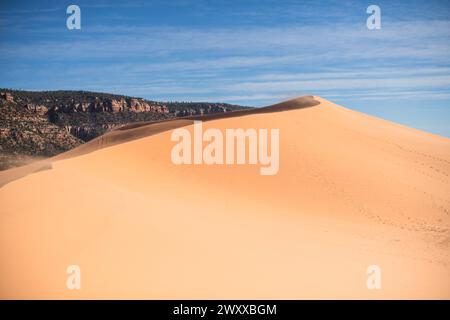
pixel 351 191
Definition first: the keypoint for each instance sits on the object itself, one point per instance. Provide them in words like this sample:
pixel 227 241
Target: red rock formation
pixel 7 96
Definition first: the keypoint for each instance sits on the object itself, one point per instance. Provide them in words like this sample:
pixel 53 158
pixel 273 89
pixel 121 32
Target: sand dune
pixel 144 129
pixel 351 191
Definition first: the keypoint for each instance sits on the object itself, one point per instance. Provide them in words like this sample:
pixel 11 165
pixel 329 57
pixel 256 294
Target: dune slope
pixel 351 191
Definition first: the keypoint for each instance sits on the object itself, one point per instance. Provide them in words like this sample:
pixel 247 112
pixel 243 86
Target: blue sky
pixel 250 52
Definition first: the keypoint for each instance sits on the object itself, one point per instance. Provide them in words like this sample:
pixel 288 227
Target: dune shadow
pixel 20 172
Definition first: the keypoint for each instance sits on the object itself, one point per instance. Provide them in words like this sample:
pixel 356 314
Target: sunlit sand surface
pixel 352 191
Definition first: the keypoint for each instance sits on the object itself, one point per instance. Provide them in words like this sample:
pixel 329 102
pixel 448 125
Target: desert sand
pixel 352 191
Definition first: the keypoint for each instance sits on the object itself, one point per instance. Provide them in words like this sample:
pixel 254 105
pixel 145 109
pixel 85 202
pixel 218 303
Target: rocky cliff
pixel 45 123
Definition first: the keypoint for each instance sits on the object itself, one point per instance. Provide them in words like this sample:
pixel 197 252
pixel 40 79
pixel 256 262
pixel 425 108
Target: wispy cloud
pixel 236 63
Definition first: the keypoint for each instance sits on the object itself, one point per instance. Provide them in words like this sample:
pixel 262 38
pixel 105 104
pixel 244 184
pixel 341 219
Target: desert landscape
pixel 40 124
pixel 352 191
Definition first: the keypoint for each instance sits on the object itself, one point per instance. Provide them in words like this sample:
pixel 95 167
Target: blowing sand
pixel 351 191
